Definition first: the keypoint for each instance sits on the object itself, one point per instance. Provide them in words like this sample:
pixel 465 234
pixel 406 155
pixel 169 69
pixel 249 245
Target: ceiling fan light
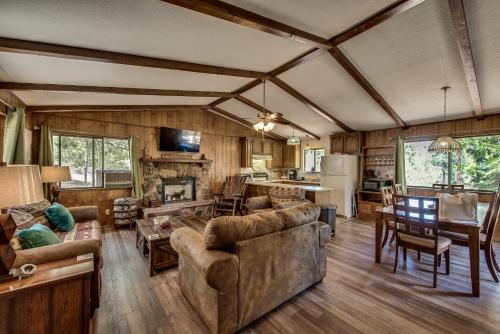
pixel 261 126
pixel 268 126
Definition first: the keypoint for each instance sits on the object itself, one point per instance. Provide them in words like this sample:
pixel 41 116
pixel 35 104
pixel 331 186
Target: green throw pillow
pixel 37 235
pixel 60 217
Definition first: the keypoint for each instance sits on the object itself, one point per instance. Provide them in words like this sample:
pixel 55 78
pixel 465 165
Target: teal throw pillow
pixel 37 235
pixel 60 217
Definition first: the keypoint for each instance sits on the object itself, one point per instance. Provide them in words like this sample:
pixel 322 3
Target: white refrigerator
pixel 341 173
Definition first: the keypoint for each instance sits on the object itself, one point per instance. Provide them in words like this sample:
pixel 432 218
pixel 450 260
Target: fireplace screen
pixel 179 189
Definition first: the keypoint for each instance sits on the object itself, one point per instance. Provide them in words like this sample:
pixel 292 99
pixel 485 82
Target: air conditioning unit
pixel 117 179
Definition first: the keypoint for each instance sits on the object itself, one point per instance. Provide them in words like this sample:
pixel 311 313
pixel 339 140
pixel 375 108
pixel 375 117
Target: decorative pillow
pixel 224 231
pixel 299 215
pixel 60 217
pixel 27 215
pixel 37 235
pixel 280 195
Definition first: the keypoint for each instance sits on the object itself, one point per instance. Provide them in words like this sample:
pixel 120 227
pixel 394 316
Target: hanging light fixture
pixel 308 147
pixel 445 144
pixel 265 124
pixel 293 140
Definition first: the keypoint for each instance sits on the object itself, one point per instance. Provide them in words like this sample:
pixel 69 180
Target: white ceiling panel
pixel 37 69
pixel 239 109
pixel 484 31
pixel 326 83
pixel 324 18
pixel 72 98
pixel 409 58
pixel 147 27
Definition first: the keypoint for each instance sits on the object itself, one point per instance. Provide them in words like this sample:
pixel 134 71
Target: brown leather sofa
pixel 243 267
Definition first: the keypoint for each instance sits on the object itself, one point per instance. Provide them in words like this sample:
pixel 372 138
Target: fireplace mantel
pixel 169 160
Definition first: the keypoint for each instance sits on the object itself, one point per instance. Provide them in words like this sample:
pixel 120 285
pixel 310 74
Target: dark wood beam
pixel 311 105
pixel 257 107
pixel 70 52
pixel 341 58
pixel 128 107
pixel 22 86
pixel 460 23
pixel 251 20
pixel 242 121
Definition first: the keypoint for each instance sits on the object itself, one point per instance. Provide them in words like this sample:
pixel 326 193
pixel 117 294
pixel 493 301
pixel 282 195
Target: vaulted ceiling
pixel 330 65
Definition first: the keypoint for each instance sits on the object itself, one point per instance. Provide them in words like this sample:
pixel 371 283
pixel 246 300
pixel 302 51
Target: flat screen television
pixel 179 140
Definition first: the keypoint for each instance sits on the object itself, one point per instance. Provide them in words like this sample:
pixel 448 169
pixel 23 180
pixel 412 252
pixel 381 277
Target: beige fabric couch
pixel 243 267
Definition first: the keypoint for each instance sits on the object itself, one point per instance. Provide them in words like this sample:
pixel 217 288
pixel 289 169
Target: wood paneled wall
pixel 219 142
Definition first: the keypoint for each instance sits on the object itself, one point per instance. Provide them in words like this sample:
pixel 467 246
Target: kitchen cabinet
pixel 246 152
pixel 257 146
pixel 267 147
pixel 346 143
pixel 291 156
pixel 277 154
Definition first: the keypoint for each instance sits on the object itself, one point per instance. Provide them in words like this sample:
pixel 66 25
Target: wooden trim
pixel 76 108
pixel 314 107
pixel 242 121
pixel 23 86
pixel 70 52
pixel 252 20
pixel 367 87
pixel 255 106
pixel 460 23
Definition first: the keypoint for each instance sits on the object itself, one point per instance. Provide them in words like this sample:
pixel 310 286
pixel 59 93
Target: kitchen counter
pixel 276 183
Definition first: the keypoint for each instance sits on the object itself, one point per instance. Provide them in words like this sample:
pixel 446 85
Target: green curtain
pixel 134 163
pixel 400 162
pixel 14 150
pixel 45 154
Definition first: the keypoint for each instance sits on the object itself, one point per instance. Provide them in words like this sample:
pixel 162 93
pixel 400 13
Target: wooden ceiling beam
pixel 241 121
pixel 70 52
pixel 341 58
pixel 23 86
pixel 460 23
pixel 257 107
pixel 120 107
pixel 311 105
pixel 225 11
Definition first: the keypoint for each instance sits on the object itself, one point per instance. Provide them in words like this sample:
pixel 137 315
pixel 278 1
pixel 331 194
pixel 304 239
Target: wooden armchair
pixel 231 198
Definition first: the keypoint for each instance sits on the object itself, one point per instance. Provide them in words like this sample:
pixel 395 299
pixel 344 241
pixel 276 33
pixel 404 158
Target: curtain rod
pixel 432 135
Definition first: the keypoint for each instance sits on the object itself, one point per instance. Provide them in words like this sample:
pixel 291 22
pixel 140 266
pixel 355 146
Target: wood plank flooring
pixel 357 296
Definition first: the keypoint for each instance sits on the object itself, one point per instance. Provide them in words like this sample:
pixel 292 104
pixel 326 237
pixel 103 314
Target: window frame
pixel 93 137
pixel 449 170
pixel 315 150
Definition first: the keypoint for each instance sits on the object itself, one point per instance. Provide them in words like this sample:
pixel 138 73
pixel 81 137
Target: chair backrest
pixel 457 187
pixel 440 186
pixel 386 193
pixel 399 189
pixel 414 214
pixel 491 219
pixel 234 185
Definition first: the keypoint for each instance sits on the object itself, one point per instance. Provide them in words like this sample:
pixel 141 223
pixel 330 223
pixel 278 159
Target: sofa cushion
pixel 37 235
pixel 27 215
pixel 299 215
pixel 222 232
pixel 287 205
pixel 280 195
pixel 60 217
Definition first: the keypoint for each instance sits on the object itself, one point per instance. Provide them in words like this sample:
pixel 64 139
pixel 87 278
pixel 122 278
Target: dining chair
pixel 486 236
pixel 399 189
pixel 440 187
pixel 414 215
pixel 386 194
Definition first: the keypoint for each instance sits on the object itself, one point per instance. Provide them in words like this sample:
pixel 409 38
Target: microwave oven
pixel 376 184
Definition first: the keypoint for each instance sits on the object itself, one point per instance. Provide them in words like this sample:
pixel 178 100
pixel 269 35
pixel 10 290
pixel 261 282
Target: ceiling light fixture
pixel 265 124
pixel 293 140
pixel 445 144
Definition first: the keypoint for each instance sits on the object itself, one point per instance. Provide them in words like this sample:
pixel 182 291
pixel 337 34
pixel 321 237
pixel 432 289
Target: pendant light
pixel 264 125
pixel 308 147
pixel 445 144
pixel 293 140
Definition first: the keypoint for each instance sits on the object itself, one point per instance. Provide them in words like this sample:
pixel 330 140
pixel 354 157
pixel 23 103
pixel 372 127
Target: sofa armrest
pixel 84 213
pixel 325 234
pixel 219 268
pixel 258 203
pixel 58 252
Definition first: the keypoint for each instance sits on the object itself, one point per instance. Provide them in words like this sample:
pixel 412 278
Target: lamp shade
pixel 21 185
pixel 53 174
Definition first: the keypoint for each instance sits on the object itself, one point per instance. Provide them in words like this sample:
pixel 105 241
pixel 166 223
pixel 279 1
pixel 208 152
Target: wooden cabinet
pixel 257 146
pixel 246 152
pixel 267 147
pixel 291 156
pixel 251 146
pixel 346 143
pixel 277 154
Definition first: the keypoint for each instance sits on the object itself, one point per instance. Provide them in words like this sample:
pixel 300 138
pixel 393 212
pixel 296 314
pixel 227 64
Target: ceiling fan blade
pixel 275 115
pixel 281 121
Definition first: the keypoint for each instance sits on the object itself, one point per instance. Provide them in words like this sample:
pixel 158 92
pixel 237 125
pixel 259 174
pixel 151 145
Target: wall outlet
pixel 107 212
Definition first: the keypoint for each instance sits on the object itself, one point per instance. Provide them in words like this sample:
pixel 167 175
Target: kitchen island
pixel 314 193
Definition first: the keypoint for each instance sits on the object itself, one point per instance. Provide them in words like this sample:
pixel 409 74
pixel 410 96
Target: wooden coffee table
pixel 153 243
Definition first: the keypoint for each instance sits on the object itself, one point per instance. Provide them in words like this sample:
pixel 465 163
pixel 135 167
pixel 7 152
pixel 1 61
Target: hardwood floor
pixel 357 296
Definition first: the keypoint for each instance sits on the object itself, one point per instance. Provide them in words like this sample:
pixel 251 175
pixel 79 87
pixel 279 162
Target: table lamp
pixel 54 175
pixel 21 185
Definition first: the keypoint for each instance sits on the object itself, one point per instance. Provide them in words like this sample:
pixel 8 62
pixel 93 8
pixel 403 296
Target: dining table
pixel 471 228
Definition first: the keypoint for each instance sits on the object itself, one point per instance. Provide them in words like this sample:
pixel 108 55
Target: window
pixel 312 159
pixel 477 166
pixel 94 162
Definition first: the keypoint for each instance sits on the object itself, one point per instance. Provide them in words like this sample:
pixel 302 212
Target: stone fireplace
pixel 178 189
